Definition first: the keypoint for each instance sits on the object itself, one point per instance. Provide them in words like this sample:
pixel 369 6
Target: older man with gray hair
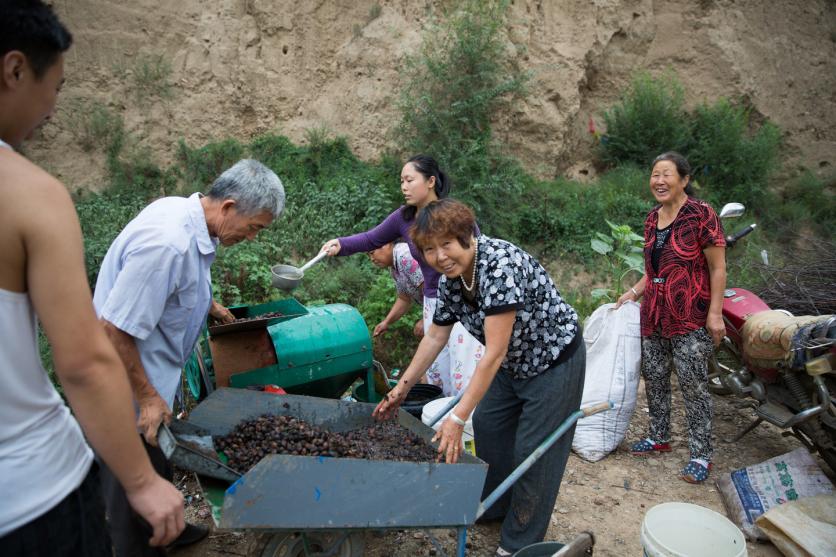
pixel 153 293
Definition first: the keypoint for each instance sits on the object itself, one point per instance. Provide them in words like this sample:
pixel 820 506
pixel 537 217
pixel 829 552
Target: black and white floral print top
pixel 509 279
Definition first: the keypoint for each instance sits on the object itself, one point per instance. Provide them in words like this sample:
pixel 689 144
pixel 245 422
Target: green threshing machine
pixel 315 351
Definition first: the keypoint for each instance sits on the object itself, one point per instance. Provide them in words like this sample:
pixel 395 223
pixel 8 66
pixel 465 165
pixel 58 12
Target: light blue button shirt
pixel 155 284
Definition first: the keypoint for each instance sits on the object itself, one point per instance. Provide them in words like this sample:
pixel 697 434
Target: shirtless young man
pixel 50 493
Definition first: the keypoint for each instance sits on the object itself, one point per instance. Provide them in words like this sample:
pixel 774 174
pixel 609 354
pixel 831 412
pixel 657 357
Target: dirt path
pixel 608 497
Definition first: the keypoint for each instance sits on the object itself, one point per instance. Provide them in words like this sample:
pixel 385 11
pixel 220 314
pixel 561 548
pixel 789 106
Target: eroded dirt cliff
pixel 245 67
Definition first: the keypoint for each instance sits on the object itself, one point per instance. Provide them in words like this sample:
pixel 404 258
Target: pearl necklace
pixel 473 276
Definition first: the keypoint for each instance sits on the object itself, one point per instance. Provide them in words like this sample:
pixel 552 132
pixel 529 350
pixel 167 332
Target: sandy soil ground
pixel 608 498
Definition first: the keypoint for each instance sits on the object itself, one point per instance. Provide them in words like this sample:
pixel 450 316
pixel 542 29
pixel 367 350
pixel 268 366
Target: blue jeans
pixel 510 422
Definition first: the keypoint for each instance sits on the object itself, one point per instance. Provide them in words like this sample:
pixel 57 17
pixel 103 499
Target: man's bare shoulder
pixel 27 187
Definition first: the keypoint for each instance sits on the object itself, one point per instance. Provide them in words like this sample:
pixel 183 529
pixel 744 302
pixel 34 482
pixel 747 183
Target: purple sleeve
pixel 387 231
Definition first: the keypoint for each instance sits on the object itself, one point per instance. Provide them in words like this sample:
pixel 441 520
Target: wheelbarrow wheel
pixel 318 543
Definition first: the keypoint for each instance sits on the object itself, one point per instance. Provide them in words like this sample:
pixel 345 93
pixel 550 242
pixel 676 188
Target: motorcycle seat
pixel 773 337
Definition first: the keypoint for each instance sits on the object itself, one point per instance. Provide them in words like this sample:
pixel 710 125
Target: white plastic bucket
pixel 432 408
pixel 686 530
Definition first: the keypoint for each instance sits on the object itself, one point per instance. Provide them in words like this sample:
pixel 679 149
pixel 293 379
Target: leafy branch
pixel 624 252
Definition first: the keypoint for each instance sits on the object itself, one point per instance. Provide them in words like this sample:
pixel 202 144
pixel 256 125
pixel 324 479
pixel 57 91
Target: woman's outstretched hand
pixel 388 407
pixel 332 247
pixel 449 438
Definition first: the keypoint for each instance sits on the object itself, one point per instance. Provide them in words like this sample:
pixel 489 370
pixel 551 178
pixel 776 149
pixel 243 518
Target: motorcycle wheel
pixel 818 433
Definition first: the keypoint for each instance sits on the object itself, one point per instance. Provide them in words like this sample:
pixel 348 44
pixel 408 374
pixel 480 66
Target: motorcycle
pixel 782 364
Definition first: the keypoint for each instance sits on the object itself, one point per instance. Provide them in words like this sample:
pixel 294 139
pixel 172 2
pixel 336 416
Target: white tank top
pixel 43 454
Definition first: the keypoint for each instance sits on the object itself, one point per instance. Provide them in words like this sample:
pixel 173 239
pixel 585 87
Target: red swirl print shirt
pixel 677 297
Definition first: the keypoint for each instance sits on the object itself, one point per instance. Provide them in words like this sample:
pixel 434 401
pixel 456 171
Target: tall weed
pixel 454 87
pixel 94 126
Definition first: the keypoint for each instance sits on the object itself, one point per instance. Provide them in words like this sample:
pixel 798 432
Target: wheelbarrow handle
pixel 535 456
pixel 595 408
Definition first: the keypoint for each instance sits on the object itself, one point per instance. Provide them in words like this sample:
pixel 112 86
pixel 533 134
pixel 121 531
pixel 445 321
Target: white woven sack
pixel 613 358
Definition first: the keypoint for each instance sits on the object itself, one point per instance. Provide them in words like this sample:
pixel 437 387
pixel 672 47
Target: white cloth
pixel 5 145
pixel 155 284
pixel 43 454
pixel 454 366
pixel 465 353
pixel 441 366
pixel 613 359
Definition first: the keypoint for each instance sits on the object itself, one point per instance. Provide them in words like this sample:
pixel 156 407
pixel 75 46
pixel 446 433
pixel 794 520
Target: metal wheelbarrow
pixel 317 506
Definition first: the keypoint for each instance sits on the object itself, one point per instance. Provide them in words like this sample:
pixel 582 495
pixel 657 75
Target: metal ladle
pixel 288 277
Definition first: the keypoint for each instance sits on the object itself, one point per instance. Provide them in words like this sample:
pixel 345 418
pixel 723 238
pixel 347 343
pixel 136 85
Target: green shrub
pixel 94 126
pixel 728 161
pixel 807 199
pixel 453 88
pixel 150 77
pixel 133 171
pixel 649 119
pixel 103 216
pixel 200 167
pixel 562 214
pixel 396 346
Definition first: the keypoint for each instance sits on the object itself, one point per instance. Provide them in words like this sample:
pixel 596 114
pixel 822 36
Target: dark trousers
pixel 509 423
pixel 73 527
pixel 130 533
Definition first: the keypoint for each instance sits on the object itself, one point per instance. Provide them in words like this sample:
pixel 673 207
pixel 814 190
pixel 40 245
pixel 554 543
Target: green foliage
pixel 344 280
pixel 807 199
pixel 623 250
pixel 93 126
pixel 103 216
pixel 241 273
pixel 650 119
pixel 396 346
pixel 453 88
pixel 45 351
pixel 150 77
pixel 727 160
pixel 583 303
pixel 134 172
pixel 323 161
pixel 200 167
pixel 561 214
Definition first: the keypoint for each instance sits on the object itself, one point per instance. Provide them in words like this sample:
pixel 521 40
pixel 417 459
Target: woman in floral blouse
pixel 465 351
pixel 681 315
pixel 409 281
pixel 530 378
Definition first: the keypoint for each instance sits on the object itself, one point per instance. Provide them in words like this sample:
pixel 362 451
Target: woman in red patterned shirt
pixel 681 315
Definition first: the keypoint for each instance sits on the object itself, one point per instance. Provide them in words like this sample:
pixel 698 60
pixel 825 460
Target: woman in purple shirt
pixel 422 182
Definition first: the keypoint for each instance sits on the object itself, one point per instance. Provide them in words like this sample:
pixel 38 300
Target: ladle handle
pixel 313 261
